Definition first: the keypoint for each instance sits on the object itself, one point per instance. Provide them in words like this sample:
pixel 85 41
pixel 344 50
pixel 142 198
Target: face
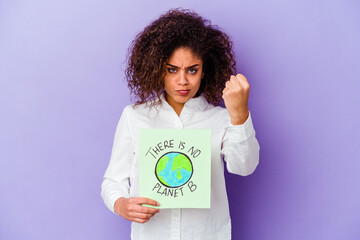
pixel 183 77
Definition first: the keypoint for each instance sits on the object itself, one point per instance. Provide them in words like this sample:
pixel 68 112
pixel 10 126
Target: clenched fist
pixel 236 96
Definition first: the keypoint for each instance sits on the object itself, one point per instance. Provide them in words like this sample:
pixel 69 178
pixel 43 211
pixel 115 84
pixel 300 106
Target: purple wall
pixel 62 93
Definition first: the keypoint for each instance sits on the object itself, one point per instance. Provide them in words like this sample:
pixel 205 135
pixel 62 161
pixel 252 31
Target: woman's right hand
pixel 131 209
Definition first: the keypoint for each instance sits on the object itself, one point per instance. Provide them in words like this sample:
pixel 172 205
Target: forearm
pixel 112 190
pixel 241 148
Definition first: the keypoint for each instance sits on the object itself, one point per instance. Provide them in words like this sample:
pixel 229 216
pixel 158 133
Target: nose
pixel 183 78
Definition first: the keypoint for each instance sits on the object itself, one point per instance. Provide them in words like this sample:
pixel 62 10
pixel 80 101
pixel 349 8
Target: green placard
pixel 175 167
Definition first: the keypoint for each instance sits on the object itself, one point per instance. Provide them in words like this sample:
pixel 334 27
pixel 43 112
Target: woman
pixel 180 68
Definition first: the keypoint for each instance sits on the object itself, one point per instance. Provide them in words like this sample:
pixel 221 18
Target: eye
pixel 171 70
pixel 192 71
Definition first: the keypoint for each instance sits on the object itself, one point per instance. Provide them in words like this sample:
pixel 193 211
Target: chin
pixel 184 99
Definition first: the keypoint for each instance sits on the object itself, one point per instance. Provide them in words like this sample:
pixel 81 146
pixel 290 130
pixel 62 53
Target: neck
pixel 176 106
pixel 178 109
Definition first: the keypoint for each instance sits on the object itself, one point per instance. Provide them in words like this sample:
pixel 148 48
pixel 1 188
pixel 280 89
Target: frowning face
pixel 183 77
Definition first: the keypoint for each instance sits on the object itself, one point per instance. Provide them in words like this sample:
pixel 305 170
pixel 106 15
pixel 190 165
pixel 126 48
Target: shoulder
pixel 141 110
pixel 132 109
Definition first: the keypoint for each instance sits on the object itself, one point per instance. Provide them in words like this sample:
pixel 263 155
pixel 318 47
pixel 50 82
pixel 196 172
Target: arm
pixel 115 186
pixel 116 178
pixel 240 148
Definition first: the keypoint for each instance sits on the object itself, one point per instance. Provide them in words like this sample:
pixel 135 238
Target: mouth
pixel 183 92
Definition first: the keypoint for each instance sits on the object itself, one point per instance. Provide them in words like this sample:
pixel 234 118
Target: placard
pixel 175 167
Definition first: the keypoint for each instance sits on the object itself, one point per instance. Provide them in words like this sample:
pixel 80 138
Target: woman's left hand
pixel 236 95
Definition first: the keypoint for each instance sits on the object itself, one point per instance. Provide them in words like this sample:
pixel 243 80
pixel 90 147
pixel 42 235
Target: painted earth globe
pixel 174 169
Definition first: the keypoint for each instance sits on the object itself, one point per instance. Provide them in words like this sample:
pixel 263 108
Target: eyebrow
pixel 186 67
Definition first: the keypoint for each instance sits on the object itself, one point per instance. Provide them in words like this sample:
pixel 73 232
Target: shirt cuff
pixel 244 130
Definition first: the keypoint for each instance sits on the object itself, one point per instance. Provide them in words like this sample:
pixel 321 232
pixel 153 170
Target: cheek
pixel 167 82
pixel 198 81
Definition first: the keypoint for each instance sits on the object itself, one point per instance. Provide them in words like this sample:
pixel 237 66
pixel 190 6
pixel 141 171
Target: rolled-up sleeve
pixel 116 178
pixel 240 148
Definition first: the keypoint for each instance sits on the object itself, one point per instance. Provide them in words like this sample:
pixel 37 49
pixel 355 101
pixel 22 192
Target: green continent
pixel 162 164
pixel 180 162
pixel 178 175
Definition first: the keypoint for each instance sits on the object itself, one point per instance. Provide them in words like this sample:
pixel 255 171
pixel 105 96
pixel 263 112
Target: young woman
pixel 180 68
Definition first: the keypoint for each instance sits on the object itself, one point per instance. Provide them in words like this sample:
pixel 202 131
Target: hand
pixel 131 209
pixel 236 96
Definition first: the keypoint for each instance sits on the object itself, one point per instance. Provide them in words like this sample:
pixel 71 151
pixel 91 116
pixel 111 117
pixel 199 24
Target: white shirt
pixel 236 144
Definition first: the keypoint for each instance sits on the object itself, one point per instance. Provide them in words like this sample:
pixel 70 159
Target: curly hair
pixel 177 28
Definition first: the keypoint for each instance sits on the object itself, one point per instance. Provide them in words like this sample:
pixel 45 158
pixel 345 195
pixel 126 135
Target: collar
pixel 199 102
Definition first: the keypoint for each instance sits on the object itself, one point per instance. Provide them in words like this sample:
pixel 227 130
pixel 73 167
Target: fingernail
pixel 157 204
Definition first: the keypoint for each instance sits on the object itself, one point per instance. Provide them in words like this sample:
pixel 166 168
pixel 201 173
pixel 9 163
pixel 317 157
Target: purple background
pixel 62 93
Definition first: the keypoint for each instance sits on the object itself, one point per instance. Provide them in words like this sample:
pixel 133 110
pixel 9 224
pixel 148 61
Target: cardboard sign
pixel 175 167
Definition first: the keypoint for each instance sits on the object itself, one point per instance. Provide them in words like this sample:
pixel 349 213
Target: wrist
pixel 239 119
pixel 118 203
